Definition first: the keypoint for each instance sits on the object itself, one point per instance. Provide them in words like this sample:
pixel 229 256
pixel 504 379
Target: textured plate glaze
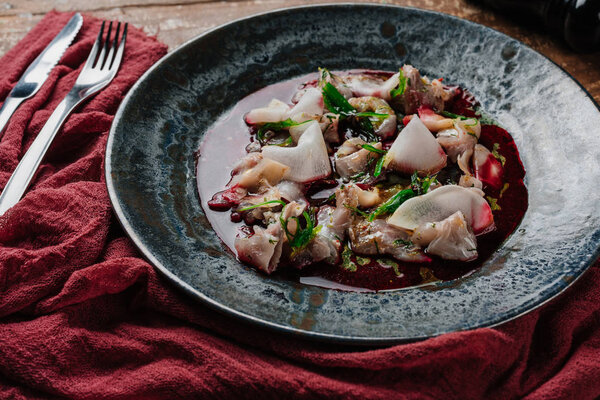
pixel 151 179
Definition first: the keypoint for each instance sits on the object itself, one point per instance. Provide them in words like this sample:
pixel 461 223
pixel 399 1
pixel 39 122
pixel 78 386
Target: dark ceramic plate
pixel 556 125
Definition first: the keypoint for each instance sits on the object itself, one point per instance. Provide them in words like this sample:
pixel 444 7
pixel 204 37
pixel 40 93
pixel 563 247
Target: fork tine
pixel 113 48
pixel 102 56
pixel 117 61
pixel 92 56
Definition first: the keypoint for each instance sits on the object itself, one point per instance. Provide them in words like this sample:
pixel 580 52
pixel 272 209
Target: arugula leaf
pixel 401 88
pixel 264 203
pixel 392 203
pixel 372 149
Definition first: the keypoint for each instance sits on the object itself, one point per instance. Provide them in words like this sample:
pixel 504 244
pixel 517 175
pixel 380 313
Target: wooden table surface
pixel 175 21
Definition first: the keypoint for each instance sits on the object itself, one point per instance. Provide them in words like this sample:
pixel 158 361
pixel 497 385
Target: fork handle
pixel 23 174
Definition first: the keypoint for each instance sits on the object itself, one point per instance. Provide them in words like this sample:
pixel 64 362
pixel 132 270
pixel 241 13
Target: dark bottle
pixel 577 21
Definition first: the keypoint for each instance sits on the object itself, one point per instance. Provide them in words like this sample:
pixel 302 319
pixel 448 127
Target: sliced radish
pixel 308 161
pixel 415 149
pixel 441 203
pixel 487 168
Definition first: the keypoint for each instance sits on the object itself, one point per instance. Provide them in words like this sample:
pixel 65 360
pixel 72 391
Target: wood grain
pixel 175 21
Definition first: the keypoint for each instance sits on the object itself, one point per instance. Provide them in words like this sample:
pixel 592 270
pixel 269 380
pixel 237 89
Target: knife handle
pixel 23 174
pixel 7 110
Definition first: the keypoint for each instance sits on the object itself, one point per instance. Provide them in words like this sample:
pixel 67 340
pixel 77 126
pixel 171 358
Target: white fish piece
pixel 276 111
pixel 450 239
pixel 441 203
pixel 351 158
pixel 364 85
pixel 379 237
pixel 415 149
pixel 266 172
pixel 307 161
pixel 263 248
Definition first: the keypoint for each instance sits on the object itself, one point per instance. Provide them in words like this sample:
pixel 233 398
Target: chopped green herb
pixel 373 149
pixel 357 211
pixel 452 115
pixel 378 167
pixel 363 260
pixel 474 123
pixel 401 88
pixel 493 203
pixel 276 126
pixel 303 236
pixel 264 203
pixel 358 176
pixel 405 243
pixel 504 189
pixel 421 185
pixel 347 262
pixel 371 114
pixel 334 101
pixel 392 203
pixel 498 156
pixel 287 142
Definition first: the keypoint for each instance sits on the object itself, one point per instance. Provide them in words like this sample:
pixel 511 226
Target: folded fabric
pixel 83 316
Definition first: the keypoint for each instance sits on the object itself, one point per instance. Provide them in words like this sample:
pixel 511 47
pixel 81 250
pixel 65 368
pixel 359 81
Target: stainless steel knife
pixel 37 73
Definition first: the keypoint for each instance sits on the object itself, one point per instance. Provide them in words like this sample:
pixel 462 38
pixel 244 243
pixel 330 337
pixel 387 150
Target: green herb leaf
pixel 303 235
pixel 347 262
pixel 372 149
pixel 405 243
pixel 378 167
pixel 334 101
pixel 421 185
pixel 493 203
pixel 371 114
pixel 276 126
pixel 288 142
pixel 392 203
pixel 264 203
pixel 357 211
pixel 498 156
pixel 452 115
pixel 401 88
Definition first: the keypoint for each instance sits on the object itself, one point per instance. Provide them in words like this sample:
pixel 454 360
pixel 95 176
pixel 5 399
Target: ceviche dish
pixel 360 179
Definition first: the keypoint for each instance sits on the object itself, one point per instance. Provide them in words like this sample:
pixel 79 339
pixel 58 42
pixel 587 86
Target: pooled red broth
pixel 225 143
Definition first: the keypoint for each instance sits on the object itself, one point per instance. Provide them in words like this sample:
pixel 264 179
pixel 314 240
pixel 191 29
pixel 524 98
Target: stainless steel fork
pixel 97 72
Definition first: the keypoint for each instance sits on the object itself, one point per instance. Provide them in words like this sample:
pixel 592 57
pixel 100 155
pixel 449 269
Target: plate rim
pixel 277 327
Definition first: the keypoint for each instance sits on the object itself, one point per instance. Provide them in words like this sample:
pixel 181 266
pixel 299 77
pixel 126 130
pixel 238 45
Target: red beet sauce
pixel 225 143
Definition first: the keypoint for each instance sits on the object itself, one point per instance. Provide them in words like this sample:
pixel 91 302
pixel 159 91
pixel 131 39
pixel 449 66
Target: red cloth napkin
pixel 82 315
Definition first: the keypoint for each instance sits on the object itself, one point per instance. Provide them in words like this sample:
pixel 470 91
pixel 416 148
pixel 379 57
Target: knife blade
pixel 37 72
